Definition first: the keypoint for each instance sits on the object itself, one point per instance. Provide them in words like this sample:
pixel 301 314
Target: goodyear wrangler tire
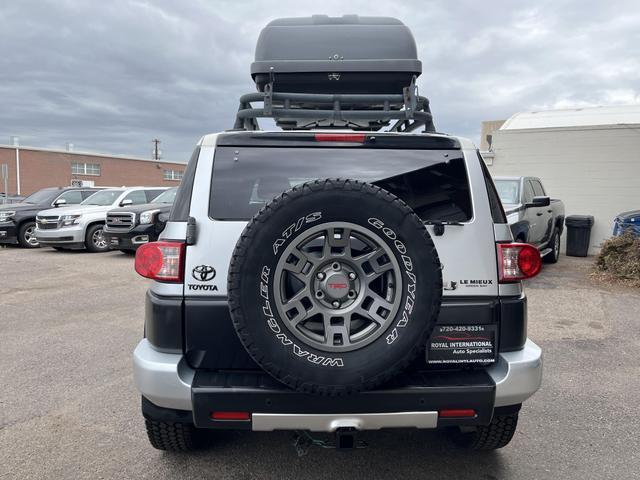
pixel 334 287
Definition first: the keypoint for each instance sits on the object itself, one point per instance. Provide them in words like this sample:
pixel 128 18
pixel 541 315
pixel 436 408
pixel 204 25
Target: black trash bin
pixel 578 234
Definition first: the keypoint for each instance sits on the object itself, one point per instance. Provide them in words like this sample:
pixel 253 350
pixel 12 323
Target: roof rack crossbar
pixel 327 97
pixel 380 108
pixel 334 114
pixel 409 109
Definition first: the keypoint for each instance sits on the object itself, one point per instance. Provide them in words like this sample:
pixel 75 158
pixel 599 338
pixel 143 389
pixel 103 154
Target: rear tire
pixel 554 255
pixel 27 235
pixel 94 239
pixel 488 437
pixel 173 437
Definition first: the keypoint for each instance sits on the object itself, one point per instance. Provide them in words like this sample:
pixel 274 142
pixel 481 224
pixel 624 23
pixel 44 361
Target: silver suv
pixel 390 300
pixel 81 226
pixel 333 277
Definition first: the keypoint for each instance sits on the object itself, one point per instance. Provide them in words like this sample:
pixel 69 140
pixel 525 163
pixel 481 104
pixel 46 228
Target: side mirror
pixel 541 201
pixel 125 202
pixel 59 202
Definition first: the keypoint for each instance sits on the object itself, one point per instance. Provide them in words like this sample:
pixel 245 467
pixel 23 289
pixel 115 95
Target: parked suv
pixel 129 227
pixel 534 217
pixel 270 314
pixel 82 226
pixel 18 220
pixel 332 277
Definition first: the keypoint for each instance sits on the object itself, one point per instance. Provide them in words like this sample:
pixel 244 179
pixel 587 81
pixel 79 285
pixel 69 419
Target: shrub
pixel 620 257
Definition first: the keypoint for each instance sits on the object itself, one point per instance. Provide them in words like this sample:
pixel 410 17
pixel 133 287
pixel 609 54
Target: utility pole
pixel 156 151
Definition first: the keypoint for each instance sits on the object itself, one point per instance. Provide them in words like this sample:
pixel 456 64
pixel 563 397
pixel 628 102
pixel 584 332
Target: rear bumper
pixel 325 422
pixel 8 232
pixel 166 381
pixel 162 378
pixel 517 375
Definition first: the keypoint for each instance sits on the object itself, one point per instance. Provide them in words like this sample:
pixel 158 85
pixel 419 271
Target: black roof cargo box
pixel 348 54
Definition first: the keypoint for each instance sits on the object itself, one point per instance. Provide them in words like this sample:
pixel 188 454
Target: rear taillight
pixel 340 137
pixel 161 261
pixel 518 261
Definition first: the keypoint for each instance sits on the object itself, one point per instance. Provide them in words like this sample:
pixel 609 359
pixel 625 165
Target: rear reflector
pixel 518 261
pixel 161 261
pixel 457 413
pixel 341 137
pixel 242 416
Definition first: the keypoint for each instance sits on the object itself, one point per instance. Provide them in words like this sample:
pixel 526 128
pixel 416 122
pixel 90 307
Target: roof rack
pixel 364 112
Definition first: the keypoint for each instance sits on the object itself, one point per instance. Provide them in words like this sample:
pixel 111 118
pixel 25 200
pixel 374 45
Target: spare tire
pixel 334 287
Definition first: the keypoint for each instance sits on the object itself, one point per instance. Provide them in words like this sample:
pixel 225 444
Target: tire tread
pixel 496 435
pixel 173 437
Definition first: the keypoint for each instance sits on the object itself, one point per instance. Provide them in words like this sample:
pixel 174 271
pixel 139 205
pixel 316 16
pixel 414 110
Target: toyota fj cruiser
pixel 354 271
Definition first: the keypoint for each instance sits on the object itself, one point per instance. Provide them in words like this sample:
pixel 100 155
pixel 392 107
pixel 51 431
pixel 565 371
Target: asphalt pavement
pixel 68 408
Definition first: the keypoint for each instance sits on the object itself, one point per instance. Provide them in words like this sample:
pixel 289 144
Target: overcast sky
pixel 110 76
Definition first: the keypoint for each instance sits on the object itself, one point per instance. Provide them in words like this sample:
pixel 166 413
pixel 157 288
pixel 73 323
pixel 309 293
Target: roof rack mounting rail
pixel 367 112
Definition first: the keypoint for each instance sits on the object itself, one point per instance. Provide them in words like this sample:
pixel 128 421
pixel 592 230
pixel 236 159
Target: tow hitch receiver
pixel 345 439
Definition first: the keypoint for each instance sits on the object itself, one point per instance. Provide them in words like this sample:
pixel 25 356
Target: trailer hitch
pixel 345 438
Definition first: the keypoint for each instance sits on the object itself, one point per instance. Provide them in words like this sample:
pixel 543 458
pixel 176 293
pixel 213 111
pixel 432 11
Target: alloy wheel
pixel 98 239
pixel 30 236
pixel 337 286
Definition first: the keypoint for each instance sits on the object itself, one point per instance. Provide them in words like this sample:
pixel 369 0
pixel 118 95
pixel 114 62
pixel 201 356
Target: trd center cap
pixel 336 286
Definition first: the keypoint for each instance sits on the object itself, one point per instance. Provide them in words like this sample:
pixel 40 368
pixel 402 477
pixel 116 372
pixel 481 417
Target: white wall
pixel 593 170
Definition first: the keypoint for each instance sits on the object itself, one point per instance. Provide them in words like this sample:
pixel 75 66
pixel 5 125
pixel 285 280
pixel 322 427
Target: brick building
pixel 31 169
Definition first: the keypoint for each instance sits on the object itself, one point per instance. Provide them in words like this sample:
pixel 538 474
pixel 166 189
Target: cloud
pixel 110 76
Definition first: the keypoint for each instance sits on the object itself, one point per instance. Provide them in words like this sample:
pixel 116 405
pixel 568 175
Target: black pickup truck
pixel 533 216
pixel 129 227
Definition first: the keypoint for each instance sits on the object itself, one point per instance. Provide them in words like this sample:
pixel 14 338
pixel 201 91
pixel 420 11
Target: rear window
pixel 433 183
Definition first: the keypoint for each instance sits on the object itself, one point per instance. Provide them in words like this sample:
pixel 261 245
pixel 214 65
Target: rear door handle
pixel 549 211
pixel 539 214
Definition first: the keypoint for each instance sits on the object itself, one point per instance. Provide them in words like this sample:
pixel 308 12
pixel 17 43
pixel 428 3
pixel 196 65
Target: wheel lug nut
pixel 319 294
pixel 335 304
pixel 352 276
pixel 336 266
pixel 320 276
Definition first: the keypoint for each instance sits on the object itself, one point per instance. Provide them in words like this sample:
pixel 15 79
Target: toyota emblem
pixel 203 273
